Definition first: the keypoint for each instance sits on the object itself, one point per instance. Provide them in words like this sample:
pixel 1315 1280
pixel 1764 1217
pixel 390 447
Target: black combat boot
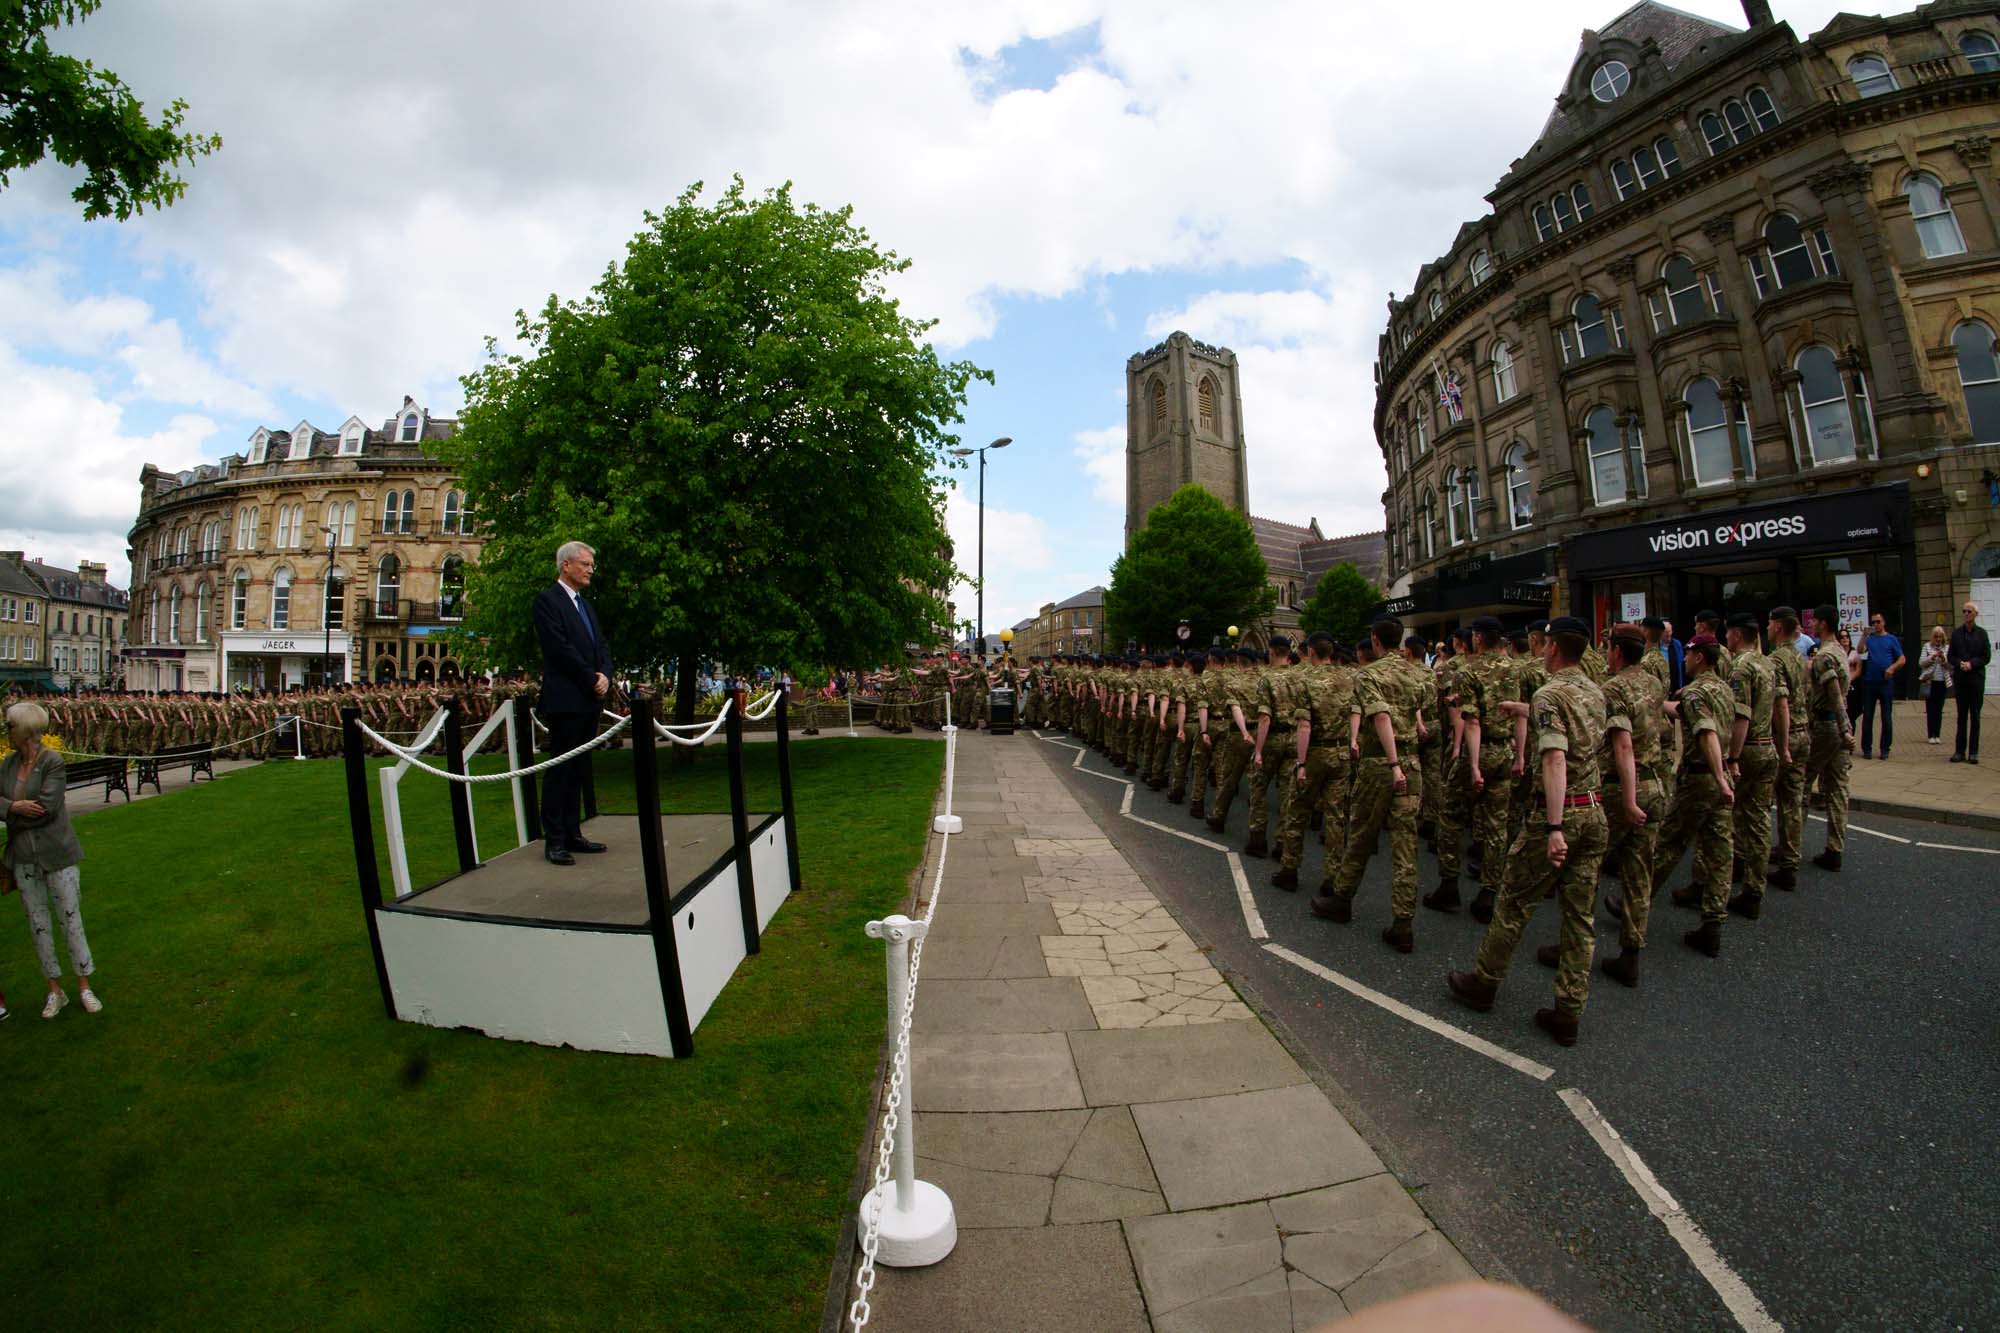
pixel 1156 784
pixel 1482 907
pixel 1178 796
pixel 1334 907
pixel 1256 846
pixel 1557 1024
pixel 1624 968
pixel 1784 877
pixel 1549 955
pixel 1472 991
pixel 1827 860
pixel 1400 935
pixel 1688 895
pixel 1195 807
pixel 1707 938
pixel 1286 878
pixel 1445 897
pixel 1218 821
pixel 1747 905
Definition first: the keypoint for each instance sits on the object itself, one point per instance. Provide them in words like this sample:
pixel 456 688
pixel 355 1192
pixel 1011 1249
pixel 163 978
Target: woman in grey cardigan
pixel 42 852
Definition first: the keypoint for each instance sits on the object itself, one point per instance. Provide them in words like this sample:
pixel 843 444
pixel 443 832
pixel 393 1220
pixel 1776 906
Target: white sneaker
pixel 91 1004
pixel 57 999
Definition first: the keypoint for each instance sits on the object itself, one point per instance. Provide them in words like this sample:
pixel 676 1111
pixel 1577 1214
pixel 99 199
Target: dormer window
pixel 259 442
pixel 350 443
pixel 1610 81
pixel 412 423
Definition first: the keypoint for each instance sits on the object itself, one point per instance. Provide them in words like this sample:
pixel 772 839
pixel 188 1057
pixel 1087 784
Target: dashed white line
pixel 1251 919
pixel 1179 833
pixel 1955 847
pixel 1734 1291
pixel 1520 1064
pixel 1887 837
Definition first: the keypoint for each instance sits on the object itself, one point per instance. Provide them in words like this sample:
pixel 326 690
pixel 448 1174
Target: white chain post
pixel 912 1220
pixel 949 822
pixel 851 732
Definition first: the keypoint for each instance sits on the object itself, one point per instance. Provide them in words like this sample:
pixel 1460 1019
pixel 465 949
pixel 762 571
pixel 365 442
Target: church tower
pixel 1183 423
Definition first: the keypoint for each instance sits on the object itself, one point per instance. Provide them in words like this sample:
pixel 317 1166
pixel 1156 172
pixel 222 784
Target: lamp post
pixel 980 593
pixel 325 606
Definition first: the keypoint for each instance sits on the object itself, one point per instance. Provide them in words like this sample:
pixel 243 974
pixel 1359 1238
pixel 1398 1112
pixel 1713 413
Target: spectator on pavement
pixel 1971 652
pixel 1882 657
pixel 42 854
pixel 1853 675
pixel 1934 674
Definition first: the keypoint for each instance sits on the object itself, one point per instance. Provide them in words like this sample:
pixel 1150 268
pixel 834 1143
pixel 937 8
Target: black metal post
pixel 785 789
pixel 979 644
pixel 739 821
pixel 362 826
pixel 524 756
pixel 589 787
pixel 653 859
pixel 461 794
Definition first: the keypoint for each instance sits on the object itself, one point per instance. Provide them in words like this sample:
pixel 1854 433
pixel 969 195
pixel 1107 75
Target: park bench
pixel 197 758
pixel 89 772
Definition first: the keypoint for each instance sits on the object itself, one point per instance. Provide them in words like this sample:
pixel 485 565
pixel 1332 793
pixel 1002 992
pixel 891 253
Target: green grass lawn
pixel 242 1138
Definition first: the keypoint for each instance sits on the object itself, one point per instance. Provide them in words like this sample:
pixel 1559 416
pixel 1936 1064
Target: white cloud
pixel 1102 452
pixel 1019 558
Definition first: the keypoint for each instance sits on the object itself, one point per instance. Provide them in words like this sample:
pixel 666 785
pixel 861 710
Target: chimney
pixel 1758 12
pixel 90 572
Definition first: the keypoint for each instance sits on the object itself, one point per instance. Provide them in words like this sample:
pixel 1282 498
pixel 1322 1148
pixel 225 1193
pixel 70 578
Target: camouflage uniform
pixel 1566 714
pixel 1329 702
pixel 1187 741
pixel 1698 814
pixel 1430 749
pixel 1596 666
pixel 1390 686
pixel 1529 675
pixel 1281 696
pixel 1655 664
pixel 1634 702
pixel 1492 807
pixel 1205 766
pixel 1790 792
pixel 1829 763
pixel 1232 748
pixel 1757 687
pixel 1458 688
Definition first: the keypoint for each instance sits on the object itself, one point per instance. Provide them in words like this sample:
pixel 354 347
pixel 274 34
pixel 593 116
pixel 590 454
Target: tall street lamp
pixel 325 607
pixel 1001 443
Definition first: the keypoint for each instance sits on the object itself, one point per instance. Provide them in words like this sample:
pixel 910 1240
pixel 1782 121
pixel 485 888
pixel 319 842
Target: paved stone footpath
pixel 1126 1145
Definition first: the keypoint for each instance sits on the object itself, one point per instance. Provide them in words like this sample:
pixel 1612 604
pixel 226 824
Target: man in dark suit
pixel 576 681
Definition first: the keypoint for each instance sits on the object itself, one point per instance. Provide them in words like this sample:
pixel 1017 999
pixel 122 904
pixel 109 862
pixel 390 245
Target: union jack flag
pixel 1450 397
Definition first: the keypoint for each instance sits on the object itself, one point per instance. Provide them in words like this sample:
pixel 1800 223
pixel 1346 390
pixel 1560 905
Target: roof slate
pixel 1677 33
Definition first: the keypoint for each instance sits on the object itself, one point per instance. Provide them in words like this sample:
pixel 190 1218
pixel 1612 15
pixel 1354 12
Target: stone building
pixel 1073 625
pixel 315 555
pixel 24 619
pixel 1726 338
pixel 86 625
pixel 1296 558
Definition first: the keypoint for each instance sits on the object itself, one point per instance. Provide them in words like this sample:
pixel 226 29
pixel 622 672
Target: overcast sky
pixel 1074 179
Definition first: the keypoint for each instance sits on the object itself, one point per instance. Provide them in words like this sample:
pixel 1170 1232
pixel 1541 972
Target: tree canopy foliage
pixel 1194 560
pixel 1343 604
pixel 86 116
pixel 745 427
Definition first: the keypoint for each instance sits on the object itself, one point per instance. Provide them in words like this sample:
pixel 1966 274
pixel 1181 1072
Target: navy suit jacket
pixel 572 656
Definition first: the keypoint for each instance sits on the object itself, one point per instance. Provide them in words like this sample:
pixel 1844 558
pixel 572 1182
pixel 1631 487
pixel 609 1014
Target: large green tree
pixel 86 116
pixel 747 429
pixel 1343 604
pixel 1194 560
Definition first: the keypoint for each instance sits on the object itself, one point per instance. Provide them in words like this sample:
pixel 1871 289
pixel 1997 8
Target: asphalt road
pixel 1820 1102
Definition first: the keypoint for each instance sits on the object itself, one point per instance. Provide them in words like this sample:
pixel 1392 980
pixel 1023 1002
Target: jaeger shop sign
pixel 1857 518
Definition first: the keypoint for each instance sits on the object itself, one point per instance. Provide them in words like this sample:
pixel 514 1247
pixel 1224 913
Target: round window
pixel 1610 81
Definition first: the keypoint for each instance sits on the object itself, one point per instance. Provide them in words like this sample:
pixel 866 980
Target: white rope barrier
pixel 409 756
pixel 770 701
pixel 917 1204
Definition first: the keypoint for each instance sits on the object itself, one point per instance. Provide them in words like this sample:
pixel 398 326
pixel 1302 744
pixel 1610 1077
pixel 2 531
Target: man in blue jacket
pixel 576 681
pixel 1883 659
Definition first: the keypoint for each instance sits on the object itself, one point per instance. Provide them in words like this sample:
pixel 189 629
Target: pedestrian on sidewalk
pixel 42 855
pixel 1882 658
pixel 1971 652
pixel 1934 674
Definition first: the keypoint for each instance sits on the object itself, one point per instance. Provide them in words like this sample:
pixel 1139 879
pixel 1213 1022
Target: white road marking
pixel 1520 1064
pixel 1734 1291
pixel 1125 806
pixel 1252 922
pixel 1180 833
pixel 1954 847
pixel 1889 837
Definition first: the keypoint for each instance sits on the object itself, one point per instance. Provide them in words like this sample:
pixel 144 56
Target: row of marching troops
pixel 1559 760
pixel 262 725
pixel 910 696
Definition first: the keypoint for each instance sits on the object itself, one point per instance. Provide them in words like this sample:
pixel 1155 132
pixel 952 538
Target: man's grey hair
pixel 569 551
pixel 30 718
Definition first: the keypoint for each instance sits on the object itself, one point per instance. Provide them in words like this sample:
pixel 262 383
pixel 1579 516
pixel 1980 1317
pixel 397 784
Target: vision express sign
pixel 1865 518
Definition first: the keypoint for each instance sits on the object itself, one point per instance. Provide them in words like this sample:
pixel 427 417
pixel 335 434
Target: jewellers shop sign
pixel 1858 519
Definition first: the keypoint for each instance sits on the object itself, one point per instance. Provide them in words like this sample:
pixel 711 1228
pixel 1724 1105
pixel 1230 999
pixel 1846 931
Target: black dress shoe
pixel 582 845
pixel 557 854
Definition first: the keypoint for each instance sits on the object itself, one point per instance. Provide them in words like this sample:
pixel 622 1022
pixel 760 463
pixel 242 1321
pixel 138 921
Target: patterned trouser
pixel 1827 769
pixel 1698 816
pixel 1374 805
pixel 1756 788
pixel 1454 812
pixel 1281 752
pixel 1791 798
pixel 1490 810
pixel 1323 791
pixel 37 887
pixel 1529 876
pixel 1630 851
pixel 1232 759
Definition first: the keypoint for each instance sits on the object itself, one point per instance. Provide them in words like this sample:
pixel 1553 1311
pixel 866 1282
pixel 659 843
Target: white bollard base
pixel 922 1236
pixel 948 824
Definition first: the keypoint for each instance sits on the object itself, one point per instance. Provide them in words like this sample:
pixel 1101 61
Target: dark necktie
pixel 583 612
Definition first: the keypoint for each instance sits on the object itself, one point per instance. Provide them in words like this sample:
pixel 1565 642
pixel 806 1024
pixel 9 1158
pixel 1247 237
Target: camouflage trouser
pixel 1756 787
pixel 1529 876
pixel 1178 763
pixel 1205 772
pixel 1631 851
pixel 1454 812
pixel 1373 802
pixel 1281 756
pixel 1232 758
pixel 1163 755
pixel 1791 799
pixel 1699 816
pixel 1490 809
pixel 1326 767
pixel 1827 769
pixel 1031 708
pixel 1145 732
pixel 1093 721
pixel 1430 758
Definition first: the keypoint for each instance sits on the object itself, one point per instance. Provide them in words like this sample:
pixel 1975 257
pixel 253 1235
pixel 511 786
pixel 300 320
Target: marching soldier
pixel 1791 734
pixel 1319 763
pixel 1281 698
pixel 1430 741
pixel 1187 725
pixel 1211 719
pixel 1568 721
pixel 1634 716
pixel 1827 768
pixel 1758 689
pixel 1452 773
pixel 1528 674
pixel 1235 746
pixel 1710 623
pixel 1701 811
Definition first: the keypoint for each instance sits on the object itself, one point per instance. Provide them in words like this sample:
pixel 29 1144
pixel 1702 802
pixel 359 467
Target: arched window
pixel 1740 128
pixel 333 599
pixel 1937 225
pixel 1787 259
pixel 412 423
pixel 1403 338
pixel 1579 194
pixel 1427 522
pixel 1157 394
pixel 1979 377
pixel 153 619
pixel 1591 339
pixel 239 598
pixel 1668 155
pixel 283 536
pixel 1520 487
pixel 1708 434
pixel 1481 267
pixel 1436 304
pixel 258 443
pixel 1504 386
pixel 449 524
pixel 350 443
pixel 1981 52
pixel 1830 426
pixel 1454 507
pixel 1762 108
pixel 347 524
pixel 1204 403
pixel 1417 415
pixel 1545 223
pixel 246 528
pixel 1872 76
pixel 1565 213
pixel 392 510
pixel 1608 462
pixel 1622 178
pixel 451 589
pixel 1683 290
pixel 388 586
pixel 409 511
pixel 281 598
pixel 201 613
pixel 1714 132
